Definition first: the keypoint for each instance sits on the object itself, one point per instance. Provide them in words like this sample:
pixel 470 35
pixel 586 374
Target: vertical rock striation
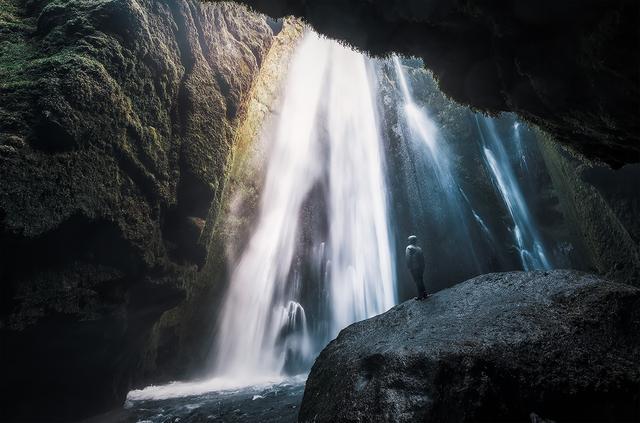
pixel 180 342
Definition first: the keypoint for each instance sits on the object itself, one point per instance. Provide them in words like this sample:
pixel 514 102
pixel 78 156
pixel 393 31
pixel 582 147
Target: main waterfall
pixel 325 150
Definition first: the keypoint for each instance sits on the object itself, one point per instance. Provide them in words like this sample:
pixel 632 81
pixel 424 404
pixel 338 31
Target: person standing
pixel 415 263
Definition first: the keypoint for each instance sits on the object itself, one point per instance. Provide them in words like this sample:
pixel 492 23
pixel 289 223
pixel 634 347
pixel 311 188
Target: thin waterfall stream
pixel 428 152
pixel 532 252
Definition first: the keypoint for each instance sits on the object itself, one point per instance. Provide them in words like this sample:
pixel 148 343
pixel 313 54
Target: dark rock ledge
pixel 560 345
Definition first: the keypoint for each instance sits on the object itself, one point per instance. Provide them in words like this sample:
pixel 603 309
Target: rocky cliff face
pixel 180 344
pixel 116 126
pixel 603 207
pixel 561 345
pixel 570 67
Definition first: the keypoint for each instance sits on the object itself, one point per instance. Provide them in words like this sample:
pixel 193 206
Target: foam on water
pixel 228 386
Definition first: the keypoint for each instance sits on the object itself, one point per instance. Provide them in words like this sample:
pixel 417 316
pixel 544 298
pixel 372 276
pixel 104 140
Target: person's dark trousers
pixel 418 275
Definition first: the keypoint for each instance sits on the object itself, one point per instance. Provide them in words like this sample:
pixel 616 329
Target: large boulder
pixel 559 345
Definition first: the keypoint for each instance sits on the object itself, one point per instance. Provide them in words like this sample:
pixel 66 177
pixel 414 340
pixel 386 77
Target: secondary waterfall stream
pixel 441 200
pixel 328 136
pixel 530 247
pixel 428 152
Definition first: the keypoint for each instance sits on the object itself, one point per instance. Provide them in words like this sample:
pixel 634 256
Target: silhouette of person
pixel 415 263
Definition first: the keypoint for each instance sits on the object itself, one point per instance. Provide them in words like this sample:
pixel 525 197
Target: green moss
pixel 225 230
pixel 15 51
pixel 106 118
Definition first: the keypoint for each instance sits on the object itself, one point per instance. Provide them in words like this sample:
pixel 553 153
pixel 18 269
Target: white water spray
pixel 422 129
pixel 520 148
pixel 526 237
pixel 327 134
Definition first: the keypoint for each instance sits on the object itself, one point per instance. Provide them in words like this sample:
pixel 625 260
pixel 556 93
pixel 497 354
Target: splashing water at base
pixel 223 385
pixel 327 135
pixel 215 401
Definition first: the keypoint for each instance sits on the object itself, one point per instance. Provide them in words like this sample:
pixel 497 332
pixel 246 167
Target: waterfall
pixel 425 130
pixel 520 150
pixel 530 247
pixel 479 220
pixel 325 148
pixel 421 135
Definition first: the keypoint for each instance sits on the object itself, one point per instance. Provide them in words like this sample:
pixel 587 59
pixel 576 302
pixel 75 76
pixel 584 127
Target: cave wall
pixel 602 206
pixel 117 123
pixel 181 341
pixel 571 67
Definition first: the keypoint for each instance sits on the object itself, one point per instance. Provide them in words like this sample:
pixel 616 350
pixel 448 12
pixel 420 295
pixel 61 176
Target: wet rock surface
pixel 564 345
pixel 570 67
pixel 603 206
pixel 116 126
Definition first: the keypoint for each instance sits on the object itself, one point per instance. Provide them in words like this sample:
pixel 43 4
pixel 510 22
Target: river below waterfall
pixel 278 402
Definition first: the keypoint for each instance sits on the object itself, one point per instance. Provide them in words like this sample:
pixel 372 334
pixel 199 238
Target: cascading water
pixel 425 130
pixel 520 149
pixel 419 130
pixel 530 247
pixel 479 220
pixel 327 136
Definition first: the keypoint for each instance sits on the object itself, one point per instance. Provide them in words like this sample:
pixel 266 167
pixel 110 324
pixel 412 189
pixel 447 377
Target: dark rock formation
pixel 564 345
pixel 603 206
pixel 571 67
pixel 116 126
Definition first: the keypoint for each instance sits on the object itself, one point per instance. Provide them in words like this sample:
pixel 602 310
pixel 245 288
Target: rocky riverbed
pixel 192 403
